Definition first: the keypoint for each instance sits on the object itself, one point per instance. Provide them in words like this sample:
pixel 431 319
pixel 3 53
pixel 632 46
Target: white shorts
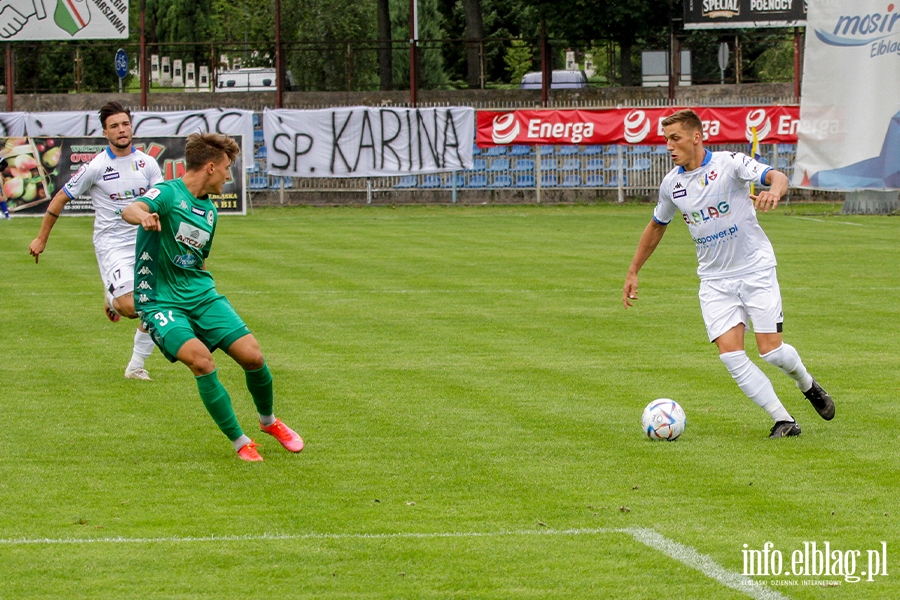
pixel 117 270
pixel 754 298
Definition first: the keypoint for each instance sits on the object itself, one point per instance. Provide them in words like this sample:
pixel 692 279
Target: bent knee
pixel 124 305
pixel 201 366
pixel 253 362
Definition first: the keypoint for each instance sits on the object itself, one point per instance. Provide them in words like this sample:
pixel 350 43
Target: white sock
pixel 143 348
pixel 241 442
pixel 785 357
pixel 755 384
pixel 266 420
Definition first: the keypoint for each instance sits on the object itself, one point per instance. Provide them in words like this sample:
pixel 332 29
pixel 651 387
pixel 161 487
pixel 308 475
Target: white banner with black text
pixel 367 141
pixel 82 123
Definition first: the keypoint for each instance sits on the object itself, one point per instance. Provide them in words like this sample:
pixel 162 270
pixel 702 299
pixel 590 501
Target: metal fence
pixel 624 169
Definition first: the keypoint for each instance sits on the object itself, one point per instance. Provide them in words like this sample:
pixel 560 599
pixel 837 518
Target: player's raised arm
pixel 653 233
pixel 138 213
pixel 55 209
pixel 769 198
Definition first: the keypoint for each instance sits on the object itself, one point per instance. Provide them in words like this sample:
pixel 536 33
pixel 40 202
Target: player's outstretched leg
pixel 786 358
pixel 218 403
pixel 143 348
pixel 754 383
pixel 259 383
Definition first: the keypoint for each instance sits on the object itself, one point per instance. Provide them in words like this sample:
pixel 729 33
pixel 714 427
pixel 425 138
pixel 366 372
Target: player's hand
pixel 765 200
pixel 151 222
pixel 35 248
pixel 629 292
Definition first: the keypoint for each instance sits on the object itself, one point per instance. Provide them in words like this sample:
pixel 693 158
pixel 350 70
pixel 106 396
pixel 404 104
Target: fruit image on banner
pixel 72 15
pixel 25 180
pixel 38 167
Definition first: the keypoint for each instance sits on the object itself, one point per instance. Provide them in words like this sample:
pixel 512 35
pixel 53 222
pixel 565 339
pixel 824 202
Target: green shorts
pixel 215 323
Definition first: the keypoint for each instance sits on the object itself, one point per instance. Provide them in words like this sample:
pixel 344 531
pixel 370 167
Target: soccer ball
pixel 663 419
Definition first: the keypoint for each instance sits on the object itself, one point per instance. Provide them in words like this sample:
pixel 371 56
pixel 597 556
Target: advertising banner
pixel 12 124
pixel 368 142
pixel 37 167
pixel 230 121
pixel 736 14
pixel 721 125
pixel 42 20
pixel 849 136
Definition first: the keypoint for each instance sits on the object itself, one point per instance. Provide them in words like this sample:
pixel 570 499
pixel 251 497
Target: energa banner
pixel 721 125
pixel 849 135
pixel 368 142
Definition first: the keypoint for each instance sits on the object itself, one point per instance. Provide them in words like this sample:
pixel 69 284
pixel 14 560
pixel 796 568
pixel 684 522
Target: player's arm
pixel 54 209
pixel 138 213
pixel 650 239
pixel 778 186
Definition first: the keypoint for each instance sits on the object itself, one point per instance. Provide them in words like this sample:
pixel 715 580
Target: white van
pixel 251 79
pixel 559 80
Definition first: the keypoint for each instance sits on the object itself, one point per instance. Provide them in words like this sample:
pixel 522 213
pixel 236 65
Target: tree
pixel 474 35
pixel 518 59
pixel 630 23
pixel 329 55
pixel 432 73
pixel 385 54
pixel 503 21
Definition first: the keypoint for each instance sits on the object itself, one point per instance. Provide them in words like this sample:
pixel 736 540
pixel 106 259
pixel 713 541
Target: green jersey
pixel 168 270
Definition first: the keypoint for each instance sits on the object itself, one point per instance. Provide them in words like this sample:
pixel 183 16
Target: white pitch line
pixel 686 555
pixel 305 536
pixel 829 221
pixel 703 563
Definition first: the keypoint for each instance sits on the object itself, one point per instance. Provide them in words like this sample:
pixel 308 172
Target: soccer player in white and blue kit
pixel 738 284
pixel 113 178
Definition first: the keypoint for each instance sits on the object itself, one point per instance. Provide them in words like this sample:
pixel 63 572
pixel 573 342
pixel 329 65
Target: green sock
pixel 259 382
pixel 218 403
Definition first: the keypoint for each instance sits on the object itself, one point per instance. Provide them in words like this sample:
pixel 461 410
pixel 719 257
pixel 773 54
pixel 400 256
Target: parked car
pixel 559 80
pixel 253 79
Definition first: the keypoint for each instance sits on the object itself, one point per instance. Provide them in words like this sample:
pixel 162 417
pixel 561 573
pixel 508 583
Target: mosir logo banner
pixel 774 124
pixel 849 132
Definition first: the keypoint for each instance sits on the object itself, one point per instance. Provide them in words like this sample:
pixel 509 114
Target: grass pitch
pixel 470 390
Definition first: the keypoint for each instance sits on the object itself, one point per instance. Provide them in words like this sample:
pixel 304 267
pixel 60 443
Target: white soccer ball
pixel 663 419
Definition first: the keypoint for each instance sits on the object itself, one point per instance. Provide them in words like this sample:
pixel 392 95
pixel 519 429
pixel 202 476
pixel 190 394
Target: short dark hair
pixel 687 118
pixel 204 148
pixel 112 108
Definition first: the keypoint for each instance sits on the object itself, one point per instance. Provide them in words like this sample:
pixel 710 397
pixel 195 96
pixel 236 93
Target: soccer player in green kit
pixel 176 296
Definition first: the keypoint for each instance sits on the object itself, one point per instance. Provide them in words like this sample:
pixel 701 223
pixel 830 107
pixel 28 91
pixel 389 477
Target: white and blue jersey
pixel 714 201
pixel 112 184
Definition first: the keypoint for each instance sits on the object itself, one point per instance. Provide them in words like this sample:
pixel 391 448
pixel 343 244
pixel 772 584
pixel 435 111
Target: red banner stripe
pixel 637 126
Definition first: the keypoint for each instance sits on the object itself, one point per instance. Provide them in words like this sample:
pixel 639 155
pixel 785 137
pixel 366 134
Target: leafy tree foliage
pixel 334 44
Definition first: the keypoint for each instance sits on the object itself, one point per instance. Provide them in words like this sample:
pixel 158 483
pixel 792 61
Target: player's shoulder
pixel 99 160
pixel 159 192
pixel 670 180
pixel 727 157
pixel 140 155
pixel 88 173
